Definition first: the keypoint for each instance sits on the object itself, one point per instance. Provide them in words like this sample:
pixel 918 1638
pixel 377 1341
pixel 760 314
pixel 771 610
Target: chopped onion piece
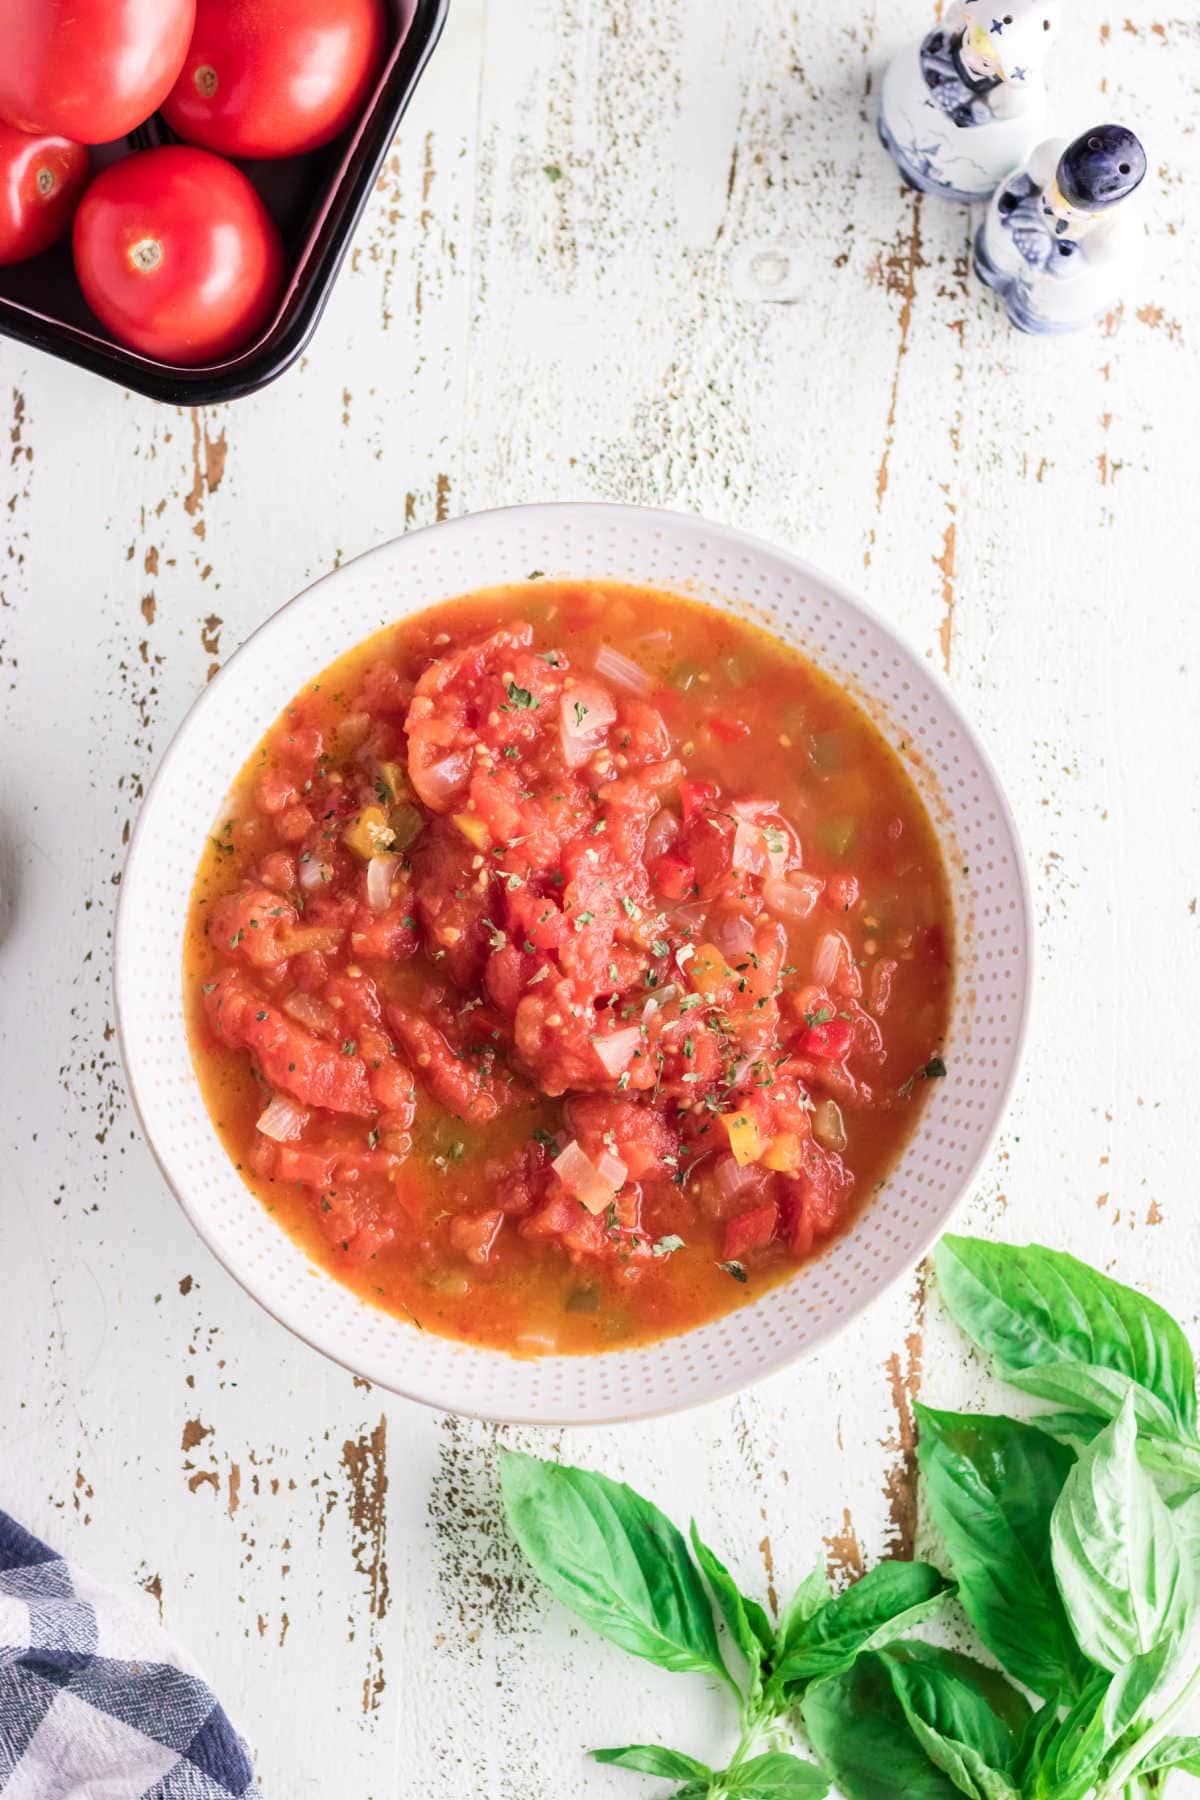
pixel 661 998
pixel 587 713
pixel 749 849
pixel 307 1010
pixel 827 957
pixel 616 1051
pixel 380 871
pixel 792 899
pixel 439 783
pixel 829 1128
pixel 314 874
pixel 735 934
pixel 283 1121
pixel 684 955
pixel 661 833
pixel 626 674
pixel 582 1179
pixel 612 1169
pixel 731 1178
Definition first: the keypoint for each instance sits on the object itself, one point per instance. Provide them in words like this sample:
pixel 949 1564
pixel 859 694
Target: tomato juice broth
pixel 782 892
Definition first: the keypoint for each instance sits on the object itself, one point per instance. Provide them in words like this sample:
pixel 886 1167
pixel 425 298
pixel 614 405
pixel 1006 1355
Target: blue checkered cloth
pixel 96 1703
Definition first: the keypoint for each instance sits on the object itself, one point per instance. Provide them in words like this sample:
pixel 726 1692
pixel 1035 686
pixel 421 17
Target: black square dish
pixel 316 201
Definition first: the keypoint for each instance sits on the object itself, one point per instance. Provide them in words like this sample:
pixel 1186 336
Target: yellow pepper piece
pixel 473 829
pixel 369 834
pixel 744 1139
pixel 783 1154
pixel 708 969
pixel 392 775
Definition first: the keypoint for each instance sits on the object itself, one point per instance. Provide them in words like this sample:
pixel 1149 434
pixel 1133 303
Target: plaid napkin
pixel 95 1701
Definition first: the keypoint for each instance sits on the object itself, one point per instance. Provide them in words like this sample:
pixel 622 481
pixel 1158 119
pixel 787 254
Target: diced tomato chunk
pixel 278 871
pixel 830 1040
pixel 463 1087
pixel 295 824
pixel 388 936
pixel 473 1234
pixel 815 1199
pixel 694 796
pixel 296 1162
pixel 673 876
pixel 709 840
pixel 291 1058
pixel 275 789
pixel 752 1230
pixel 637 1134
pixel 253 924
pixel 729 730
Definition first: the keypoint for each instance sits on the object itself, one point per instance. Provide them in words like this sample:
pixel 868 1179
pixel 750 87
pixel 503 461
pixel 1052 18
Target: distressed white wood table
pixel 539 305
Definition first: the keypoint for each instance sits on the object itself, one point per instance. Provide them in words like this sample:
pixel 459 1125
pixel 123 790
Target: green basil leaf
pixel 886 1602
pixel 1185 1517
pixel 1071 1761
pixel 1133 1688
pixel 809 1598
pixel 1040 1730
pixel 1079 1384
pixel 1162 1456
pixel 991 1485
pixel 1036 1310
pixel 614 1560
pixel 966 1717
pixel 1117 1560
pixel 655 1759
pixel 859 1731
pixel 1063 1767
pixel 1181 1753
pixel 748 1624
pixel 967 1769
pixel 775 1776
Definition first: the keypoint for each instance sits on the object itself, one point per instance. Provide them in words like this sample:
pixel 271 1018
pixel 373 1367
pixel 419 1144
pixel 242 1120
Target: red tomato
pixel 673 876
pixel 41 179
pixel 177 255
pixel 750 1231
pixel 695 796
pixel 276 77
pixel 90 70
pixel 830 1041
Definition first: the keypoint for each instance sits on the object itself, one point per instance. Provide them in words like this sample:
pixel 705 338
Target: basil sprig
pixel 1073 1543
pixel 619 1565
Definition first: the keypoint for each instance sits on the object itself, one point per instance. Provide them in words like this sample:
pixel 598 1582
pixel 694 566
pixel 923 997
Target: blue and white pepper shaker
pixel 960 109
pixel 1058 242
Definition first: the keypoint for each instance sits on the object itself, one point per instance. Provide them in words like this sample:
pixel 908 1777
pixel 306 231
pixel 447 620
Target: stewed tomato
pixel 41 179
pixel 177 256
pixel 276 77
pixel 89 70
pixel 543 1008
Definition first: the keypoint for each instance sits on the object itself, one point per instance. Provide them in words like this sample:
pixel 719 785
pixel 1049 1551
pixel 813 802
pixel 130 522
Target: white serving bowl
pixel 725 568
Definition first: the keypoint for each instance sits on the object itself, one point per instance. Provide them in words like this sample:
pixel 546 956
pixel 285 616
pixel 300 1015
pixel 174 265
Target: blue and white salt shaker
pixel 1058 242
pixel 961 108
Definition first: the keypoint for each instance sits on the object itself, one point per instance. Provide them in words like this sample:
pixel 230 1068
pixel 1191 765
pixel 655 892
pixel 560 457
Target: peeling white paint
pixel 579 338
